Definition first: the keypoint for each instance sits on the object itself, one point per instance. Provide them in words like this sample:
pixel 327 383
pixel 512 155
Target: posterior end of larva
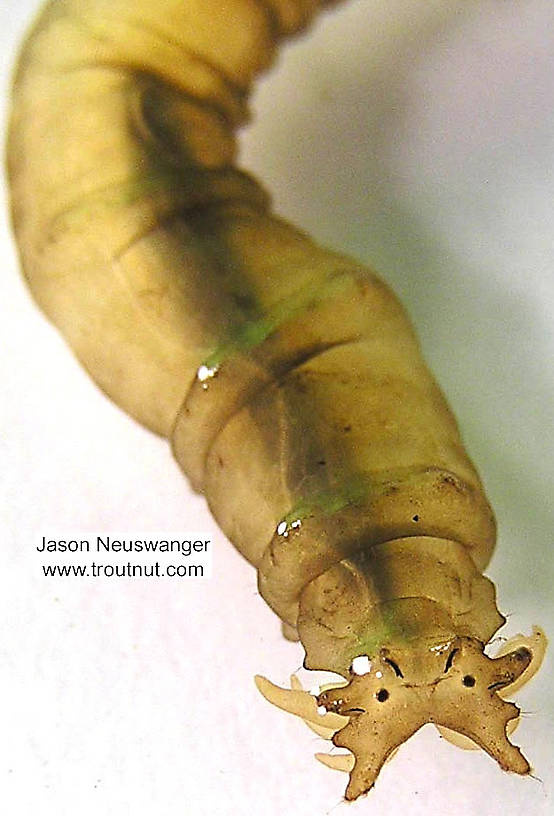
pixel 458 688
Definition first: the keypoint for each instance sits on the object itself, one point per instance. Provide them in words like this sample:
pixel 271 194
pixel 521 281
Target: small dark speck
pixel 321 462
pixel 347 428
pixel 415 518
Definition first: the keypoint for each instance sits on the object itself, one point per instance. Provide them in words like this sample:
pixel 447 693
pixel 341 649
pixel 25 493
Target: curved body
pixel 287 377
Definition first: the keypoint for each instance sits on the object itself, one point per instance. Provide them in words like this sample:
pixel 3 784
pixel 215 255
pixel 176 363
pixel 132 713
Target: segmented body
pixel 287 377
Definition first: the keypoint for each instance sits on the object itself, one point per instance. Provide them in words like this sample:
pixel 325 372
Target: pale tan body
pixel 288 378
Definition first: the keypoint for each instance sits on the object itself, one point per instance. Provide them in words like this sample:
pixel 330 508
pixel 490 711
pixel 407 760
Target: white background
pixel 432 158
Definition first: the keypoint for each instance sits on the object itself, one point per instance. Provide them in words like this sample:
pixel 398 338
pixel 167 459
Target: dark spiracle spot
pixel 382 695
pixel 415 518
pixel 468 680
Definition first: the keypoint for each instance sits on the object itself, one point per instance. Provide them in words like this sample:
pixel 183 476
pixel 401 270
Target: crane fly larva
pixel 287 377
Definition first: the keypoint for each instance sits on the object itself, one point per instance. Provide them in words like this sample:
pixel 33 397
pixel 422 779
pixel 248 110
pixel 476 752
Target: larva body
pixel 287 377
